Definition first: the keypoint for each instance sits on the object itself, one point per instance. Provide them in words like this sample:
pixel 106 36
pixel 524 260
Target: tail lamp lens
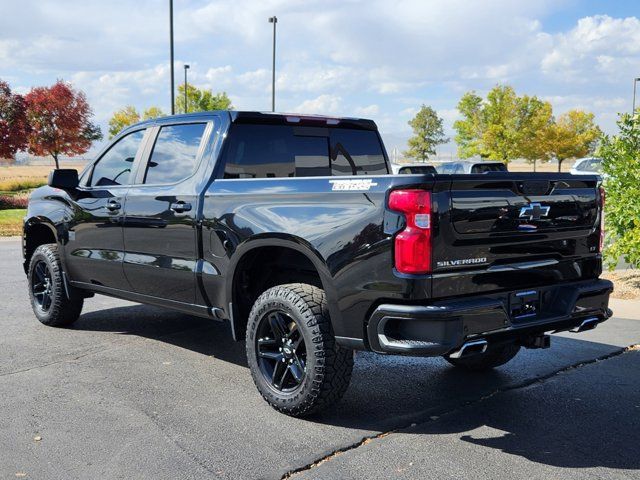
pixel 413 244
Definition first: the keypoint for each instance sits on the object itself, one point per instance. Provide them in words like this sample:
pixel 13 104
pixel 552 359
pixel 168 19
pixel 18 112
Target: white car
pixel 587 166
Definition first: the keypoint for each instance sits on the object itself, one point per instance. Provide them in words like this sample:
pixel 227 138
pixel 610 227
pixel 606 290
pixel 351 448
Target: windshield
pixel 591 165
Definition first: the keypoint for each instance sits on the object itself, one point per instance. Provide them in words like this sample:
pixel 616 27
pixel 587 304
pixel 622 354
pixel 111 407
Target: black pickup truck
pixel 292 229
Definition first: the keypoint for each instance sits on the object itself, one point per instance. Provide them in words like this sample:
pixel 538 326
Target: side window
pixel 174 153
pixel 276 151
pixel 114 167
pixel 356 152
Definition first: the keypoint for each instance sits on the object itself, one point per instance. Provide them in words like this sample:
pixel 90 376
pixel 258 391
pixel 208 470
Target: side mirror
pixel 64 179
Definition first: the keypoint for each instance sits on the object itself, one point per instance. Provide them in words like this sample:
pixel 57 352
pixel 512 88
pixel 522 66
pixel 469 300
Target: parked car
pixel 471 167
pixel 291 229
pixel 587 166
pixel 413 169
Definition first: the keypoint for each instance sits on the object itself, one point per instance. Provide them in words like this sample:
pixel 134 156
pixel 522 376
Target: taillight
pixel 602 200
pixel 413 244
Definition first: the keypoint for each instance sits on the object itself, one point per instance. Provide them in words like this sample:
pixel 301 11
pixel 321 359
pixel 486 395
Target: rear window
pixel 276 151
pixel 488 167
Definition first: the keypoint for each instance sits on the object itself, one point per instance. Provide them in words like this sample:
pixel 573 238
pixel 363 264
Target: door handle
pixel 113 205
pixel 180 207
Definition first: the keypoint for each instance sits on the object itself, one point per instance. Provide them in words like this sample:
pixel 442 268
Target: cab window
pixel 114 167
pixel 175 153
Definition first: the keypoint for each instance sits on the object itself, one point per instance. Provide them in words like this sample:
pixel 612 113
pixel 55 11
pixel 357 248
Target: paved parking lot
pixel 137 392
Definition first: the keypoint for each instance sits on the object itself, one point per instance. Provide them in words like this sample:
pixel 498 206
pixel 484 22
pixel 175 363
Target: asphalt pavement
pixel 134 391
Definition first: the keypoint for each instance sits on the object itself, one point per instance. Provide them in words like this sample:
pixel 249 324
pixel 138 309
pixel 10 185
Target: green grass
pixel 20 184
pixel 11 221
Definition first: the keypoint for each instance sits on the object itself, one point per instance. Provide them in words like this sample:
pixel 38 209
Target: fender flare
pixel 37 221
pixel 285 241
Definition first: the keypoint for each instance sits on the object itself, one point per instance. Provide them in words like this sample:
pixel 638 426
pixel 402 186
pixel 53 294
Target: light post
pixel 186 106
pixel 633 109
pixel 173 87
pixel 273 20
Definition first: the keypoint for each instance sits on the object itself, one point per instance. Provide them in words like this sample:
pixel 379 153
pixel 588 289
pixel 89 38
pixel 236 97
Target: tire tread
pixel 64 310
pixel 332 380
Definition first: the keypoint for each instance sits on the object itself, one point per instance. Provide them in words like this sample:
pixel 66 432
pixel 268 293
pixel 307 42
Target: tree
pixel 499 139
pixel 14 127
pixel 621 167
pixel 60 120
pixel 427 134
pixel 152 112
pixel 201 100
pixel 128 116
pixel 534 119
pixel 123 118
pixel 471 127
pixel 573 135
pixel 489 128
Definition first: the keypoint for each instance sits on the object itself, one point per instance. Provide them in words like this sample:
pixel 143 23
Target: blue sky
pixel 376 59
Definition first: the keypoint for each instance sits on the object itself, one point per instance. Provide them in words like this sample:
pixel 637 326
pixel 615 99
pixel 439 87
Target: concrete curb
pixel 625 308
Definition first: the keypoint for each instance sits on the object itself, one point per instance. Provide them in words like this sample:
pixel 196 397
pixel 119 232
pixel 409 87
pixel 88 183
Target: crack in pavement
pixel 368 439
pixel 66 359
pixel 193 458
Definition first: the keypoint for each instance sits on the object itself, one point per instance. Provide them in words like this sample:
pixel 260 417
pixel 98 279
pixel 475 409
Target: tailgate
pixel 512 231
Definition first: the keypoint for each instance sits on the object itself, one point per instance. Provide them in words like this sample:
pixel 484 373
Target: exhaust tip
pixel 470 348
pixel 587 324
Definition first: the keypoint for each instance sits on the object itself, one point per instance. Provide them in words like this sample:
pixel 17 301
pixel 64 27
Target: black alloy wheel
pixel 281 351
pixel 42 286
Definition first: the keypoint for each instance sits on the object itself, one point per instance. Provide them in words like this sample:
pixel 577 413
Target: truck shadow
pixel 591 420
pixel 201 335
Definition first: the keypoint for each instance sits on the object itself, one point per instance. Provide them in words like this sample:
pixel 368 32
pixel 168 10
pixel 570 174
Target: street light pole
pixel 173 87
pixel 633 109
pixel 186 106
pixel 273 20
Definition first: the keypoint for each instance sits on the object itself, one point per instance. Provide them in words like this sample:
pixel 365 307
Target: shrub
pixel 621 166
pixel 13 201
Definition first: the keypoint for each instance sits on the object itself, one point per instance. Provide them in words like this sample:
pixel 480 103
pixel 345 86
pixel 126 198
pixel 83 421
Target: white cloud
pixel 367 111
pixel 322 105
pixel 599 46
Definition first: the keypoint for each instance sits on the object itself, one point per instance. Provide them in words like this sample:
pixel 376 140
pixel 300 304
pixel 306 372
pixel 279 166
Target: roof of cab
pixel 269 118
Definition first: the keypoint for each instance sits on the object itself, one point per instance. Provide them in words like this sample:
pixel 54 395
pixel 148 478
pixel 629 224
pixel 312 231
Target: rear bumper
pixel 444 326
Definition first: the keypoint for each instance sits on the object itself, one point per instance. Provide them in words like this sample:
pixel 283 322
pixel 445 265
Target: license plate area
pixel 524 306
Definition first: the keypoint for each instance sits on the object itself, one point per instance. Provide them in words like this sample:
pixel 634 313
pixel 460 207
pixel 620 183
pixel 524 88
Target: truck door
pixel 95 249
pixel 160 231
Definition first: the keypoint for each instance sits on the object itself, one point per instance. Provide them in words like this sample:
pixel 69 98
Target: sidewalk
pixel 625 308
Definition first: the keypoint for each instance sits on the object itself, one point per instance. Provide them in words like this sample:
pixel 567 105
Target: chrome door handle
pixel 180 207
pixel 113 205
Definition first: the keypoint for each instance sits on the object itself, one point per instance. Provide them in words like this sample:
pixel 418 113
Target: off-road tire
pixel 328 366
pixel 62 310
pixel 494 357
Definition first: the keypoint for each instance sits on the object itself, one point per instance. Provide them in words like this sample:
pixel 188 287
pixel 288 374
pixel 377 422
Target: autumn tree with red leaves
pixel 60 121
pixel 14 128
